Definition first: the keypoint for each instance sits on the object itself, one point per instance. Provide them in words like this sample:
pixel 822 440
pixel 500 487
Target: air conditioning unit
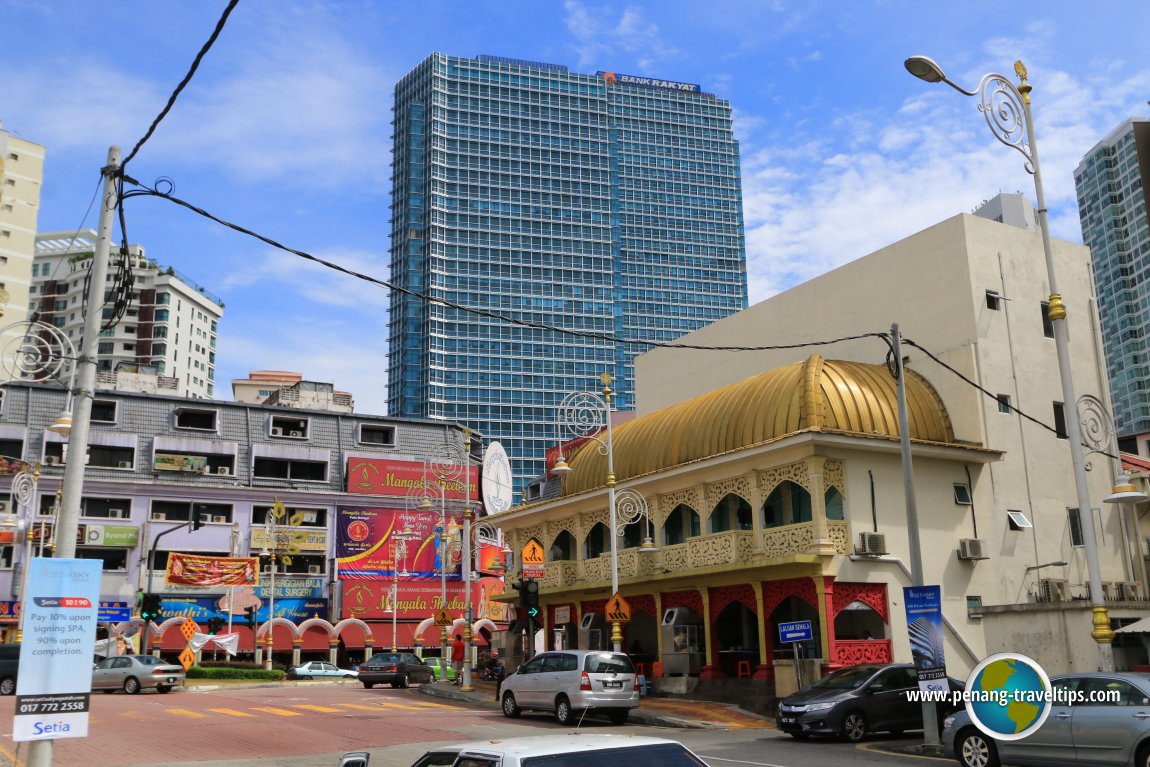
pixel 1052 590
pixel 220 519
pixel 223 471
pixel 972 548
pixel 159 516
pixel 125 464
pixel 3 507
pixel 1109 590
pixel 51 460
pixel 314 570
pixel 277 431
pixel 297 434
pixel 1129 591
pixel 117 513
pixel 871 544
pixel 309 516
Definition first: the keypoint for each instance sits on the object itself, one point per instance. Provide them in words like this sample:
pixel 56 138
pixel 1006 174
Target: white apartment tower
pixel 169 322
pixel 21 176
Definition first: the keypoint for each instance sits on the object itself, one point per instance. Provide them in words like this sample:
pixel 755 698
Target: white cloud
pixel 602 35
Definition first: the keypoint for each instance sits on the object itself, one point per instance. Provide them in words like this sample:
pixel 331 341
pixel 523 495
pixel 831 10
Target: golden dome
pixel 820 395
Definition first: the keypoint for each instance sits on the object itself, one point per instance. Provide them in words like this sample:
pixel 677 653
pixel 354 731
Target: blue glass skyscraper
pixel 608 206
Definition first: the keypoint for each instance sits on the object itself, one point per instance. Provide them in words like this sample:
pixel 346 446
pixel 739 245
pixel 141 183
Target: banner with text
pixel 384 476
pixel 197 570
pixel 365 536
pixel 368 600
pixel 924 625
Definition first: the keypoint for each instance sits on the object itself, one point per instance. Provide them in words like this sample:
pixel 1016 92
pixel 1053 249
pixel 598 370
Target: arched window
pixel 834 503
pixel 682 523
pixel 731 513
pixel 788 504
pixel 598 541
pixel 562 548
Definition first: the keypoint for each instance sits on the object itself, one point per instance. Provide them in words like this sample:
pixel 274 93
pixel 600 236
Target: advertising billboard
pixel 384 476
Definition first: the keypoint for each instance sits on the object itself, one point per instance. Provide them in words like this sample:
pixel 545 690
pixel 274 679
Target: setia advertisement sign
pixel 384 476
pixel 924 625
pixel 55 681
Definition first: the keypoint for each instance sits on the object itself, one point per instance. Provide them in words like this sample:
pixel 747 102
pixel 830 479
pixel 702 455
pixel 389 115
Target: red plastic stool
pixel 744 670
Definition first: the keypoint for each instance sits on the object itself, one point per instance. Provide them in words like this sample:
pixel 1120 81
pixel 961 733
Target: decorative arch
pixel 692 599
pixel 322 623
pixel 774 592
pixel 723 596
pixel 873 595
pixel 483 623
pixel 158 629
pixel 348 622
pixel 643 603
pixel 731 512
pixel 682 522
pixel 267 626
pixel 567 546
pixel 423 626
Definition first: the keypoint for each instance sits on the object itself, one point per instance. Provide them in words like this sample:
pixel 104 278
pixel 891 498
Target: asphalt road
pixel 311 725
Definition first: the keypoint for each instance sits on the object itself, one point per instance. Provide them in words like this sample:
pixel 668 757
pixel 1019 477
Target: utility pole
pixel 68 523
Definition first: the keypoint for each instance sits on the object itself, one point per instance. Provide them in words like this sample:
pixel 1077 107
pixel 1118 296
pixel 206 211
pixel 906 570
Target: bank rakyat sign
pixel 648 82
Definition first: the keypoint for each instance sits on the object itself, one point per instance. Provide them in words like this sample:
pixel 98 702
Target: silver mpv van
pixel 571 682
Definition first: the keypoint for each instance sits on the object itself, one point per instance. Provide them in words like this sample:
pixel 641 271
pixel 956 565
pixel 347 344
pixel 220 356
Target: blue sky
pixel 285 129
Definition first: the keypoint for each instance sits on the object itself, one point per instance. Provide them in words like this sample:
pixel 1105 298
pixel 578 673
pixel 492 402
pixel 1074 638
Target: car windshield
pixel 654 755
pixel 385 657
pixel 605 663
pixel 845 679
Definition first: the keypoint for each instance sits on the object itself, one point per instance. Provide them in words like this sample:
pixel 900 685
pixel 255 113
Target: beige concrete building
pixel 288 389
pixel 775 486
pixel 21 177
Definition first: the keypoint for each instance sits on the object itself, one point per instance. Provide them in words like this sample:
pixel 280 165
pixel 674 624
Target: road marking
pixel 277 711
pixel 321 709
pixel 358 706
pixel 9 754
pixel 229 712
pixel 739 761
pixel 401 706
pixel 435 705
pixel 874 749
pixel 185 712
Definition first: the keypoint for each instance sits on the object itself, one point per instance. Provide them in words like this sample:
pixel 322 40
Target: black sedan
pixel 399 669
pixel 854 701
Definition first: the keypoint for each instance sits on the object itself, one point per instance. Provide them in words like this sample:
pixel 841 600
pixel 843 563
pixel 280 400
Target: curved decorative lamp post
pixel 448 463
pixel 586 415
pixel 1007 112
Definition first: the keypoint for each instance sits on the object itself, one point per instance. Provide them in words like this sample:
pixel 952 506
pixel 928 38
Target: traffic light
pixel 197 518
pixel 214 625
pixel 251 612
pixel 529 600
pixel 150 607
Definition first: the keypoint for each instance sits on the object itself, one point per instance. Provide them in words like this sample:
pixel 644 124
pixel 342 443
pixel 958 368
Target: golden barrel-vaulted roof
pixel 816 395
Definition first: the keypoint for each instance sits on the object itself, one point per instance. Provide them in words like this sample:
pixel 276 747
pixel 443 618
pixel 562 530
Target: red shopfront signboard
pixel 382 476
pixel 420 599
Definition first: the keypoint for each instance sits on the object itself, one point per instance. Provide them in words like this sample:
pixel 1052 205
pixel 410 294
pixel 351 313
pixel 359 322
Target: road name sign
pixel 796 631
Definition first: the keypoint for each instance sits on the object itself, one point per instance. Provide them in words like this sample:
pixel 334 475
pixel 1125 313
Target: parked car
pixel 399 669
pixel 570 682
pixel 319 669
pixel 1089 732
pixel 854 701
pixel 132 673
pixel 9 665
pixel 444 670
pixel 572 750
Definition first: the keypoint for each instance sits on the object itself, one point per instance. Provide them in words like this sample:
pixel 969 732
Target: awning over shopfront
pixel 1137 627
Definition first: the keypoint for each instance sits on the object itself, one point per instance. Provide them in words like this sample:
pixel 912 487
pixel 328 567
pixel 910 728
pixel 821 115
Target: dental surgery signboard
pixel 55 682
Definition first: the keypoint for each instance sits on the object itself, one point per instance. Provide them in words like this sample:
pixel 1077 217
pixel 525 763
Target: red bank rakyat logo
pixel 357 530
pixel 610 78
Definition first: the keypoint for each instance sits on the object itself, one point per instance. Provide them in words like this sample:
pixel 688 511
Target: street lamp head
pixel 647 546
pixel 925 68
pixel 1059 563
pixel 63 424
pixel 561 467
pixel 1125 492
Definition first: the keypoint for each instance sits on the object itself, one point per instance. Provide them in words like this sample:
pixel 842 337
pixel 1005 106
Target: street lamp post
pixel 448 463
pixel 399 554
pixel 585 415
pixel 1007 112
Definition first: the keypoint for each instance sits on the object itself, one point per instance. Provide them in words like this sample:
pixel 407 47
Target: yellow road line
pixel 11 756
pixel 229 712
pixel 321 709
pixel 358 706
pixel 401 706
pixel 185 712
pixel 435 705
pixel 277 711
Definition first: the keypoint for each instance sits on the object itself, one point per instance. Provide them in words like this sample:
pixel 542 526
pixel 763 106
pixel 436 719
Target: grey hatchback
pixel 568 682
pixel 399 669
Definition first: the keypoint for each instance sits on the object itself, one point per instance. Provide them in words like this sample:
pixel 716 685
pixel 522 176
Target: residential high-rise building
pixel 168 322
pixel 1112 207
pixel 21 176
pixel 606 205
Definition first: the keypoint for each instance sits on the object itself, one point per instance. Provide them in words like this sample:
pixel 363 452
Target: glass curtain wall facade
pixel 610 211
pixel 1112 209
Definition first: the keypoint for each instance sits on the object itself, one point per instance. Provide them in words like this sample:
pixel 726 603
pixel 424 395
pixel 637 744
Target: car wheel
pixel 306 678
pixel 563 712
pixel 402 682
pixel 349 676
pixel 1143 758
pixel 618 715
pixel 976 750
pixel 8 686
pixel 369 685
pixel 854 726
pixel 131 685
pixel 163 688
pixel 510 707
pixel 799 735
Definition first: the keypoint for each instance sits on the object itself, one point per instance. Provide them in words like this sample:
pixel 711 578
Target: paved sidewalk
pixel 653 711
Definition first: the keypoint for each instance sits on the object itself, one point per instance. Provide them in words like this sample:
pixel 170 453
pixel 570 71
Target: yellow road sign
pixel 443 618
pixel 618 611
pixel 532 553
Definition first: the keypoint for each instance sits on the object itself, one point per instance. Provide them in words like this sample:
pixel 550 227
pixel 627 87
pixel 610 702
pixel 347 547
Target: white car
pixel 569 683
pixel 578 750
pixel 319 669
